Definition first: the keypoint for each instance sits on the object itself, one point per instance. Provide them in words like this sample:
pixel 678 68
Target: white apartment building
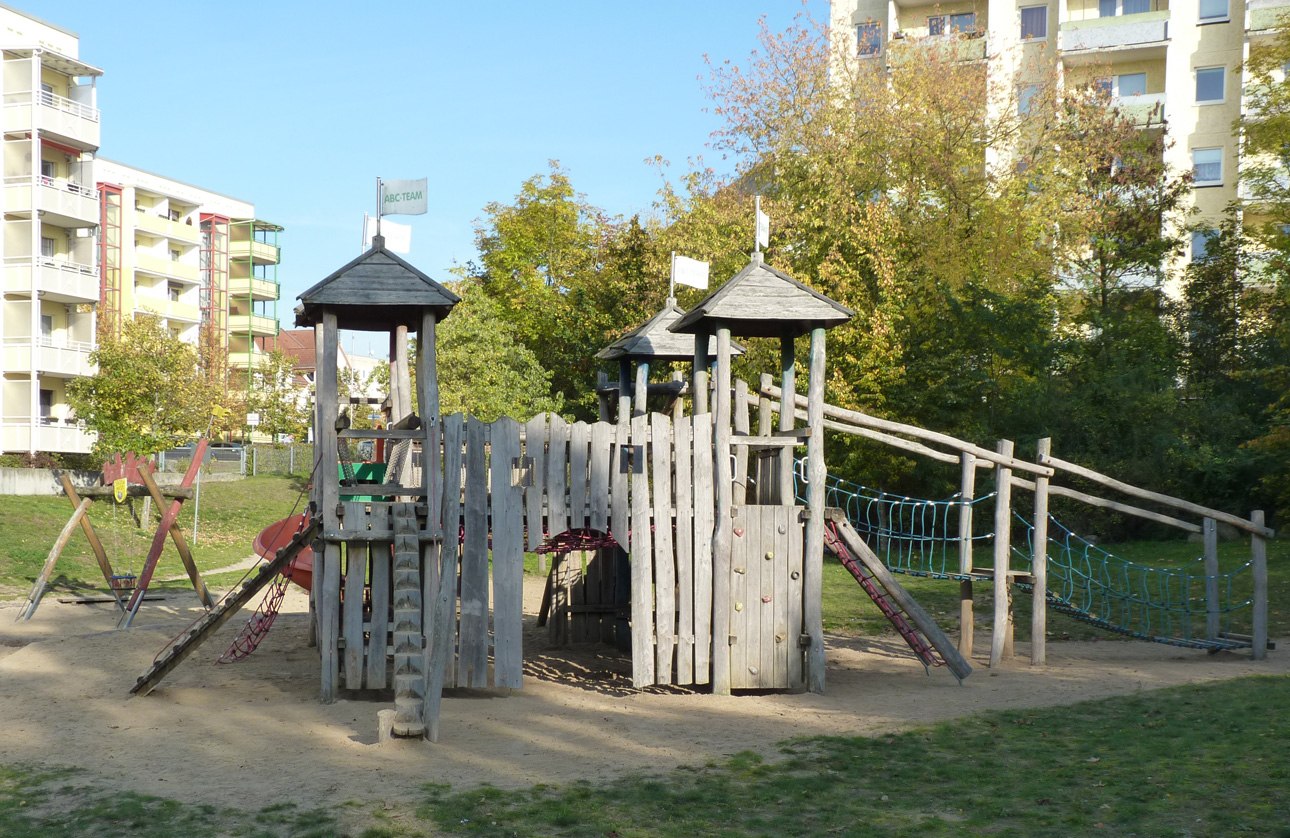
pixel 1171 61
pixel 50 212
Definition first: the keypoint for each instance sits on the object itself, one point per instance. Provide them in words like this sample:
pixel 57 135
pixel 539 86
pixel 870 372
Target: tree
pixel 147 394
pixel 277 400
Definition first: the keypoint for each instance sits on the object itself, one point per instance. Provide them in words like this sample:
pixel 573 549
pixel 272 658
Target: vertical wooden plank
pixel 378 643
pixel 699 386
pixel 409 631
pixel 762 483
pixel 787 406
pixel 579 440
pixel 721 479
pixel 641 558
pixel 774 543
pixel 328 579
pixel 557 469
pixel 682 452
pixel 454 439
pixel 355 575
pixel 813 559
pixel 1259 572
pixel 664 558
pixel 967 489
pixel 508 558
pixel 620 478
pixel 602 440
pixel 428 404
pixel 703 527
pixel 472 669
pixel 796 588
pixel 535 450
pixel 737 593
pixel 1213 608
pixel 640 399
pixel 328 555
pixel 742 427
pixel 1039 567
pixel 1002 556
pixel 784 640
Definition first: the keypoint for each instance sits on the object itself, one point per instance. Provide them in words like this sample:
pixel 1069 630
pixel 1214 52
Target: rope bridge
pixel 1161 604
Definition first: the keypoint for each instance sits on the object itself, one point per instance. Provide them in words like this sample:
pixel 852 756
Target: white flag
pixel 763 229
pixel 690 272
pixel 398 237
pixel 403 197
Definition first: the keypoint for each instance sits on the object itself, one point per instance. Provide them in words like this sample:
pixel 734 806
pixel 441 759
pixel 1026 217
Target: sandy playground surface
pixel 253 733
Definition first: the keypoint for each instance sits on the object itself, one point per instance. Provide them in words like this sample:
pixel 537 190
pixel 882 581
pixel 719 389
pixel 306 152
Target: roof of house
pixel 653 340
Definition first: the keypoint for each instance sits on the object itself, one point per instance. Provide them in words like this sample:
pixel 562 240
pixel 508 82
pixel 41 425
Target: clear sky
pixel 298 107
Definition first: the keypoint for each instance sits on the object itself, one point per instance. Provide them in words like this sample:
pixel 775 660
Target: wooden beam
pixel 1039 563
pixel 999 645
pixel 967 488
pixel 177 536
pixel 38 589
pixel 1259 571
pixel 813 559
pixel 100 555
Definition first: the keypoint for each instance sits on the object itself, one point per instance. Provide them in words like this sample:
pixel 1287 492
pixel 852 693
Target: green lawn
pixel 1206 760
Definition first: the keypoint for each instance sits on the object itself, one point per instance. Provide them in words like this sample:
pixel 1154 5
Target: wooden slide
pixel 894 601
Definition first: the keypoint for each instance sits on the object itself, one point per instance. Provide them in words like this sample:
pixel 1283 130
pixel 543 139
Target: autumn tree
pixel 147 394
pixel 277 400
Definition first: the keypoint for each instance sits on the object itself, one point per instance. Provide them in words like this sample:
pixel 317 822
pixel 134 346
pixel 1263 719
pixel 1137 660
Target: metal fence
pixel 246 460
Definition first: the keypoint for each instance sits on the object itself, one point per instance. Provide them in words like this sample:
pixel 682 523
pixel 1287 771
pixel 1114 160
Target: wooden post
pixel 100 555
pixel 1209 534
pixel 1259 570
pixel 678 403
pixel 813 560
pixel 642 388
pixel 1039 564
pixel 603 407
pixel 999 641
pixel 787 404
pixel 700 372
pixel 38 589
pixel 721 536
pixel 177 536
pixel 742 426
pixel 765 424
pixel 967 484
pixel 327 576
pixel 624 390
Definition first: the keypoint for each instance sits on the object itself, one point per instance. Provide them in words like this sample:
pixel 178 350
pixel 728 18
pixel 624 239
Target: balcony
pixel 184 312
pixel 1146 34
pixel 256 325
pixel 1265 15
pixel 253 287
pixel 63 202
pixel 260 253
pixel 55 357
pixel 60 118
pixel 966 47
pixel 156 225
pixel 1143 109
pixel 254 360
pixel 169 268
pixel 19 433
pixel 60 281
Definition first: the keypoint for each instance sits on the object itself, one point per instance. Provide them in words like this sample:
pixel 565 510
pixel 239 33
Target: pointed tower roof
pixel 654 341
pixel 760 301
pixel 374 292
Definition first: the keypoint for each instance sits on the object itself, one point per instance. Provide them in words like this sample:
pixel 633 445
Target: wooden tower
pixel 767 553
pixel 376 560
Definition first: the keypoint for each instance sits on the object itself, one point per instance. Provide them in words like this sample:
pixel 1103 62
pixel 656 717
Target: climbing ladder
pixel 914 624
pixel 209 623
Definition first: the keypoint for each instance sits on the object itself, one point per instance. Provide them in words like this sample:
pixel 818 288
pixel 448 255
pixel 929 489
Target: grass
pixel 1206 760
pixel 231 514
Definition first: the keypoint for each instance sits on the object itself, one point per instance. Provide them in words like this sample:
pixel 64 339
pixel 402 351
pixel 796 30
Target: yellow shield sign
pixel 119 489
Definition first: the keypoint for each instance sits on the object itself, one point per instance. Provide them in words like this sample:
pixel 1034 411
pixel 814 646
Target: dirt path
pixel 253 733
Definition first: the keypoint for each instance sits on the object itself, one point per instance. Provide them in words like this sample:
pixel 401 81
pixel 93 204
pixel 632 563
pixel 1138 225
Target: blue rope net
pixel 1162 604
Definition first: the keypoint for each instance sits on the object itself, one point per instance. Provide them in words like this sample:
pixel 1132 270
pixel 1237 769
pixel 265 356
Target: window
pixel 46 325
pixel 46 406
pixel 1034 22
pixel 1209 84
pixel 175 254
pixel 47 170
pixel 173 290
pixel 48 247
pixel 941 24
pixel 1131 84
pixel 1213 11
pixel 1026 97
pixel 1111 8
pixel 1207 166
pixel 869 38
pixel 1200 240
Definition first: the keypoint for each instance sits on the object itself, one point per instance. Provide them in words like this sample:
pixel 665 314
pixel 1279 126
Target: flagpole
pixel 379 196
pixel 756 219
pixel 671 283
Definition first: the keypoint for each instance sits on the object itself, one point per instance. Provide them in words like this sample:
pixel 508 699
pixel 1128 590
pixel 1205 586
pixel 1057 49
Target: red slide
pixel 278 535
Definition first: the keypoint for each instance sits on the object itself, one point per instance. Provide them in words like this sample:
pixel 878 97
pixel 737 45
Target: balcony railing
pixel 59 278
pixel 955 47
pixel 168 268
pixel 261 253
pixel 64 105
pixel 1143 109
pixel 70 203
pixel 51 355
pixel 1263 15
pixel 59 116
pixel 159 225
pixel 21 433
pixel 248 360
pixel 1120 32
pixel 255 324
pixel 253 287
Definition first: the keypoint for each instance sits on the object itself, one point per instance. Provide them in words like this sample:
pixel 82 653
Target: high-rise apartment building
pixel 1176 64
pixel 86 242
pixel 49 122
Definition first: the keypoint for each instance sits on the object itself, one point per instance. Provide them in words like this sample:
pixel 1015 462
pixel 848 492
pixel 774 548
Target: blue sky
pixel 299 107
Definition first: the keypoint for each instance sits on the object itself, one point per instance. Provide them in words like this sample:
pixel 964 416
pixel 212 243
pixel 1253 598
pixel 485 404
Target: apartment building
pixel 1175 64
pixel 199 261
pixel 49 212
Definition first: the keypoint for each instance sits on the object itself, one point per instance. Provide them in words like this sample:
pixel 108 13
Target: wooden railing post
pixel 967 488
pixel 1001 639
pixel 1259 569
pixel 1039 562
pixel 787 404
pixel 1209 533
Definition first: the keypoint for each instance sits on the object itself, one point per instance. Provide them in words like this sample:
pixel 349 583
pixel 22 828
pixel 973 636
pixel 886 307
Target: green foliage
pixel 276 399
pixel 147 394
